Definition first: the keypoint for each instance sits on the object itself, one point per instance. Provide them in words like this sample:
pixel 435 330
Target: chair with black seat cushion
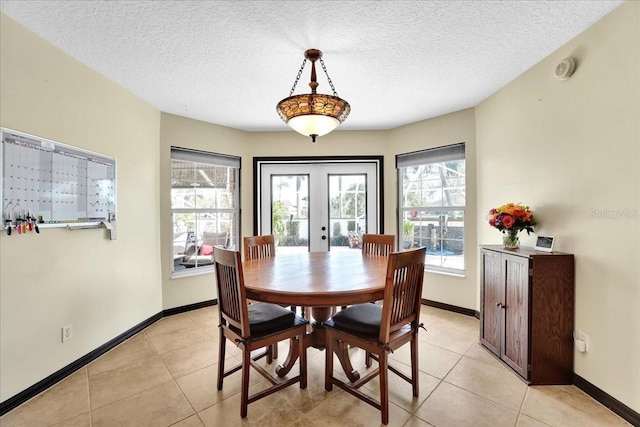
pixel 380 330
pixel 378 244
pixel 253 327
pixel 264 246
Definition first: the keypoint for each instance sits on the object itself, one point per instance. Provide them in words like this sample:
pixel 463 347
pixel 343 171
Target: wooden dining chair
pixel 378 244
pixel 251 327
pixel 259 247
pixel 264 246
pixel 380 330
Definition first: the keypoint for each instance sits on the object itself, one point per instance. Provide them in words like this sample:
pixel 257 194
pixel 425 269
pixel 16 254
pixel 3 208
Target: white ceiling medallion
pixel 565 68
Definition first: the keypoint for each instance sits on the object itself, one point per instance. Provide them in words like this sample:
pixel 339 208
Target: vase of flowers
pixel 510 219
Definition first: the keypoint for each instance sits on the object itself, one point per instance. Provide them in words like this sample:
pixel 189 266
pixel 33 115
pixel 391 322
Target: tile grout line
pixel 175 382
pixel 86 371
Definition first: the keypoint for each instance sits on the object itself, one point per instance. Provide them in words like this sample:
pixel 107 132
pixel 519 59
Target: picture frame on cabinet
pixel 545 243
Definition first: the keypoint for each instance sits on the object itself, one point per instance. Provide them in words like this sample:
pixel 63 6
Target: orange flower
pixel 508 221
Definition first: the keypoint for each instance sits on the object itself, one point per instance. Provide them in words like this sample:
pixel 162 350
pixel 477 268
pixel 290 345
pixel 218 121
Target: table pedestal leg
pixel 316 339
pixel 293 355
pixel 342 352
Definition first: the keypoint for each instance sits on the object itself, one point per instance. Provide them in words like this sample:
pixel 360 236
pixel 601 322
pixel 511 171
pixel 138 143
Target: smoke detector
pixel 565 68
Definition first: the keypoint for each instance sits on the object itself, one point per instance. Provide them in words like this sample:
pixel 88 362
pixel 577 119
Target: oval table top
pixel 316 279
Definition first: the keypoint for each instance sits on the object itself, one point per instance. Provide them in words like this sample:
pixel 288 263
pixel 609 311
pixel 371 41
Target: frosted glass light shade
pixel 312 124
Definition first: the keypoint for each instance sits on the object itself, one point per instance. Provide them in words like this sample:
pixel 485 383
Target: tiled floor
pixel 166 376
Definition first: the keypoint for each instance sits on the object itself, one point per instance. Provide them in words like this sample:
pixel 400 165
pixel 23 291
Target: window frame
pixel 436 155
pixel 232 237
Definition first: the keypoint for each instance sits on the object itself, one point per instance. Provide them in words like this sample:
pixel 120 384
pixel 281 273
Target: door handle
pixel 324 237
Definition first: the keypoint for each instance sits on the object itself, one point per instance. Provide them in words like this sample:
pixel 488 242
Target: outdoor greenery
pixel 349 203
pixel 279 218
pixel 340 240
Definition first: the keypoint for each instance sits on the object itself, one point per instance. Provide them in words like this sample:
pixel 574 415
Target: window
pixel 204 206
pixel 432 204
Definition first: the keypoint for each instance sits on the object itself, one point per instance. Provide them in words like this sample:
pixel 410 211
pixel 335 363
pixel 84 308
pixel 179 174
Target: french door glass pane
pixel 290 212
pixel 347 210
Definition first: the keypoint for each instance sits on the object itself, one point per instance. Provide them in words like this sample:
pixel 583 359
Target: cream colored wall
pixel 58 277
pixel 571 150
pixel 445 130
pixel 186 133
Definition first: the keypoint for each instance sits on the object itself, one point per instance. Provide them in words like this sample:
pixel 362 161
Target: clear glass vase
pixel 510 240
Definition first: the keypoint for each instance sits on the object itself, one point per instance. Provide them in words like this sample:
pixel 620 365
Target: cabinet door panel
pixel 492 295
pixel 516 327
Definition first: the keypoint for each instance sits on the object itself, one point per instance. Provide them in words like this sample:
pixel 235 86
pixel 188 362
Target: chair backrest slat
pixel 232 297
pixel 403 291
pixel 259 247
pixel 378 244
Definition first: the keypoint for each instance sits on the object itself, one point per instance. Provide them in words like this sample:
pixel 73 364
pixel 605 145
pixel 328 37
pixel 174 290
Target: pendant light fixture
pixel 313 114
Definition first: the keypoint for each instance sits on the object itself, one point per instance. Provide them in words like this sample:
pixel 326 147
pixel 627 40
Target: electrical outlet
pixel 584 337
pixel 67 332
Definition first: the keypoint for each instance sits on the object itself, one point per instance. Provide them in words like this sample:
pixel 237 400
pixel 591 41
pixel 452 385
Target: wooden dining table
pixel 319 281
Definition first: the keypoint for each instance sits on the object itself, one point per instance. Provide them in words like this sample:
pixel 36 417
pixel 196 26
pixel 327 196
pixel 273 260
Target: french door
pixel 318 206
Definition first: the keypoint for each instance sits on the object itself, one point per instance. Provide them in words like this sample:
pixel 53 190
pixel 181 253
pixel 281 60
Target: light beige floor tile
pixel 170 323
pixel 478 352
pixel 401 392
pixel 192 357
pixel 175 339
pixel 432 360
pixel 461 322
pixel 496 383
pixel 417 422
pixel 448 338
pixel 201 389
pixel 526 421
pixel 562 406
pixel 157 407
pixel 344 409
pixel 315 394
pixel 65 400
pixel 204 315
pixel 304 422
pixel 82 420
pixel 128 353
pixel 210 327
pixel 113 385
pixel 271 411
pixel 192 421
pixel 450 406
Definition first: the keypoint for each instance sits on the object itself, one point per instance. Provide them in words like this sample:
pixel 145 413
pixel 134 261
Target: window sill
pixel 458 274
pixel 190 272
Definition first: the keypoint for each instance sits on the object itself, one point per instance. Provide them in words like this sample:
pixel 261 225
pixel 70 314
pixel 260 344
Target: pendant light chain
pixel 328 79
pixel 304 62
pixel 313 114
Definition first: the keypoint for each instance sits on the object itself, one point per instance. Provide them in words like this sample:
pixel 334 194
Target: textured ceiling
pixel 230 62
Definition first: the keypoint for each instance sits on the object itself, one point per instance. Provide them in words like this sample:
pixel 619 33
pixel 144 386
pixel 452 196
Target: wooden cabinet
pixel 526 312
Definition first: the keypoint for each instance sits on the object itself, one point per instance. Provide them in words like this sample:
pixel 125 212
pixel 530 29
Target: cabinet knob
pixel 498 304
